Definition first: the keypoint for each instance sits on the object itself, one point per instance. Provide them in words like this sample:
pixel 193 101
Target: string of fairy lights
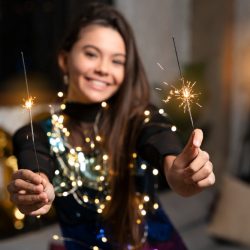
pixel 78 170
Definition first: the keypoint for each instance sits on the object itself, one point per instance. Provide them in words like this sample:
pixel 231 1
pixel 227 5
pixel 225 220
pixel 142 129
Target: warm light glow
pixel 155 171
pixel 161 111
pixel 18 215
pixel 104 104
pixel 186 95
pixel 105 157
pixel 63 106
pixel 29 102
pixel 156 205
pixel 60 94
pixel 98 138
pixel 104 239
pixel 18 224
pixel 173 128
pixel 55 237
pixel 108 198
pixel 134 155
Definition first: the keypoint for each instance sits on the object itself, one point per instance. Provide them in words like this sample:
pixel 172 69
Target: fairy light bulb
pixel 104 239
pixel 60 94
pixel 85 198
pixel 156 205
pixel 55 237
pixel 173 128
pixel 98 138
pixel 146 198
pixel 134 155
pixel 104 104
pixel 108 198
pixel 63 106
pixel 161 111
pixel 155 171
pixel 105 157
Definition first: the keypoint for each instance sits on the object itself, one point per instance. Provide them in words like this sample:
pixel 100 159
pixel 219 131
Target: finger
pixel 191 149
pixel 28 199
pixel 203 173
pixel 34 209
pixel 18 185
pixel 197 164
pixel 207 182
pixel 28 175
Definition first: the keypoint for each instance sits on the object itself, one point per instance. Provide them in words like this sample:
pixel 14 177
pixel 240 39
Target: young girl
pixel 101 153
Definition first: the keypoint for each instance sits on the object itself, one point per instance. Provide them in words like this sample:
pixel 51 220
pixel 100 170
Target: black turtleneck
pixel 82 112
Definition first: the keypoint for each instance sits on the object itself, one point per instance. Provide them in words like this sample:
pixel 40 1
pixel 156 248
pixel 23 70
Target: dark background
pixel 36 28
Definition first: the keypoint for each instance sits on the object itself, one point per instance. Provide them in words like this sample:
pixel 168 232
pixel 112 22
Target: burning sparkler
pixel 185 93
pixel 28 103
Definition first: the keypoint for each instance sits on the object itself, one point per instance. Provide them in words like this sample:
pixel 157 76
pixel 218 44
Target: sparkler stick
pixel 28 105
pixel 177 58
pixel 185 94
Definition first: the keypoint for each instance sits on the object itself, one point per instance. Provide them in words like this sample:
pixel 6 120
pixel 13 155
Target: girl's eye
pixel 90 54
pixel 118 62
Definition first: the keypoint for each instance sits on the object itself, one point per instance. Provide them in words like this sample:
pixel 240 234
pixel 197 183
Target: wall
pixel 154 24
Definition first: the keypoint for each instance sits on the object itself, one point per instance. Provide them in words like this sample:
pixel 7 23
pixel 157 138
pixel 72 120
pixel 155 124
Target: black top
pixel 156 140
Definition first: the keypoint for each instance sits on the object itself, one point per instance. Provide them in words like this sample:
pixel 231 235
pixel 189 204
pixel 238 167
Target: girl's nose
pixel 102 67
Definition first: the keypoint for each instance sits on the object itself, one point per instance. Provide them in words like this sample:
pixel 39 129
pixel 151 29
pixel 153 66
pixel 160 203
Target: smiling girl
pixel 100 157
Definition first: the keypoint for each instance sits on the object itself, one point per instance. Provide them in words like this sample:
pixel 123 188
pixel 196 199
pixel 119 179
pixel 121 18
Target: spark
pixel 186 95
pixel 161 67
pixel 28 103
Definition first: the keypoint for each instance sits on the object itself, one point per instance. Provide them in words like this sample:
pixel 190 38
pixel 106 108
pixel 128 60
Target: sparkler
pixel 28 103
pixel 185 93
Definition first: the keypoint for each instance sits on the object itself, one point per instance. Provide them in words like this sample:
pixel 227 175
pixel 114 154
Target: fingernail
pixel 197 143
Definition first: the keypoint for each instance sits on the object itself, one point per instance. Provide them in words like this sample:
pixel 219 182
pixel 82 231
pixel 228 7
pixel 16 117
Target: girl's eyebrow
pixel 96 48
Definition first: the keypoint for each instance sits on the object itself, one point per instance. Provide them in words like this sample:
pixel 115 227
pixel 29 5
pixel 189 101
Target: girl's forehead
pixel 104 36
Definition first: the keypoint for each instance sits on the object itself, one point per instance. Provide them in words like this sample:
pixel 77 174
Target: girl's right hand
pixel 31 192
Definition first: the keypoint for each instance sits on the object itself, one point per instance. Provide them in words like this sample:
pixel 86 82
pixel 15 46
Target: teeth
pixel 99 83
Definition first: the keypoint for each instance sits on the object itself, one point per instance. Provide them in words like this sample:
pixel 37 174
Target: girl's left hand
pixel 191 171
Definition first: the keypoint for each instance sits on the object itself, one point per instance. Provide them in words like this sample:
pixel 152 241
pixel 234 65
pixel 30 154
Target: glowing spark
pixel 158 89
pixel 28 105
pixel 186 95
pixel 161 67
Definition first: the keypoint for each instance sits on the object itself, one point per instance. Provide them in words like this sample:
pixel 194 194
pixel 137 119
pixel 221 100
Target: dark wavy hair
pixel 121 123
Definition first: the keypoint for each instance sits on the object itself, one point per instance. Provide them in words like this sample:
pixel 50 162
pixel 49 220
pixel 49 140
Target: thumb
pixel 191 149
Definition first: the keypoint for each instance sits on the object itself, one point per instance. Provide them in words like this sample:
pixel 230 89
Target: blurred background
pixel 213 43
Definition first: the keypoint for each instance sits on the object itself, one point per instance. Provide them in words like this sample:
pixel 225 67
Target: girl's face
pixel 95 64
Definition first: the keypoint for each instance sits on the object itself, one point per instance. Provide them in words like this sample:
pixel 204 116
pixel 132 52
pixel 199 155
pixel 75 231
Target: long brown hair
pixel 121 123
